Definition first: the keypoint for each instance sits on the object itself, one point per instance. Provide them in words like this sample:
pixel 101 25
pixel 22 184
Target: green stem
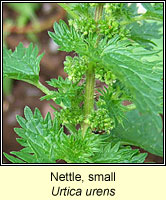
pixel 90 82
pixel 89 95
pixel 42 88
pixel 98 12
pixel 69 10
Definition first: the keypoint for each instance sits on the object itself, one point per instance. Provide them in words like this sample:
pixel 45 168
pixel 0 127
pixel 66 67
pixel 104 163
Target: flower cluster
pixel 84 25
pixel 108 26
pixel 104 75
pixel 99 120
pixel 75 67
pixel 73 115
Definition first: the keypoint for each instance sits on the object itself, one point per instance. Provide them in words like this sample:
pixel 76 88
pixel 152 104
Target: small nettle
pixel 107 51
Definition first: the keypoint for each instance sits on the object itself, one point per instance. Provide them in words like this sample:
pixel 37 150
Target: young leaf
pixel 22 64
pixel 68 38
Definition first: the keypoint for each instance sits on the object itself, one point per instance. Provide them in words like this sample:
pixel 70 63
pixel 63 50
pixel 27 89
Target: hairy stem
pixel 90 82
pixel 89 94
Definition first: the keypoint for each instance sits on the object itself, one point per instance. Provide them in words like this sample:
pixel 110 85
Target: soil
pixel 23 94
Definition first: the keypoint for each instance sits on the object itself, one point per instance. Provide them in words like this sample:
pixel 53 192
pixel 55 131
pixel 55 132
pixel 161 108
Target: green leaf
pixel 142 78
pixel 154 11
pixel 111 99
pixel 45 142
pixel 141 130
pixel 28 158
pixel 13 159
pixel 67 92
pixel 75 148
pixel 71 128
pixel 117 153
pixel 82 9
pixel 151 30
pixel 48 120
pixel 28 113
pixel 68 38
pixel 22 64
pixel 21 121
pixel 42 155
pixel 37 136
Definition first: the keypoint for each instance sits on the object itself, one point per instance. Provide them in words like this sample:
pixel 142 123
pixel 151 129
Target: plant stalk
pixel 40 86
pixel 90 82
pixel 89 95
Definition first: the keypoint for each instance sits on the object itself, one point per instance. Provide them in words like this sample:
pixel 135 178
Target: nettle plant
pixel 114 44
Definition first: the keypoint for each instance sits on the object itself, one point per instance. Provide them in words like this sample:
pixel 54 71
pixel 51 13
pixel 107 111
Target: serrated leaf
pixel 36 134
pixel 22 64
pixel 38 115
pixel 20 132
pixel 67 38
pixel 140 158
pixel 151 30
pixel 28 158
pixel 48 121
pixel 47 143
pixel 112 101
pixel 81 8
pixel 76 148
pixel 71 128
pixel 28 113
pixel 22 142
pixel 118 154
pixel 21 121
pixel 144 79
pixel 13 159
pixel 141 130
pixel 154 12
pixel 40 153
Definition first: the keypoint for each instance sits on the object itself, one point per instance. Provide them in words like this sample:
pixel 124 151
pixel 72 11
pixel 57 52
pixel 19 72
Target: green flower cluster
pixel 73 115
pixel 113 15
pixel 88 26
pixel 99 120
pixel 84 25
pixel 75 67
pixel 105 76
pixel 108 26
